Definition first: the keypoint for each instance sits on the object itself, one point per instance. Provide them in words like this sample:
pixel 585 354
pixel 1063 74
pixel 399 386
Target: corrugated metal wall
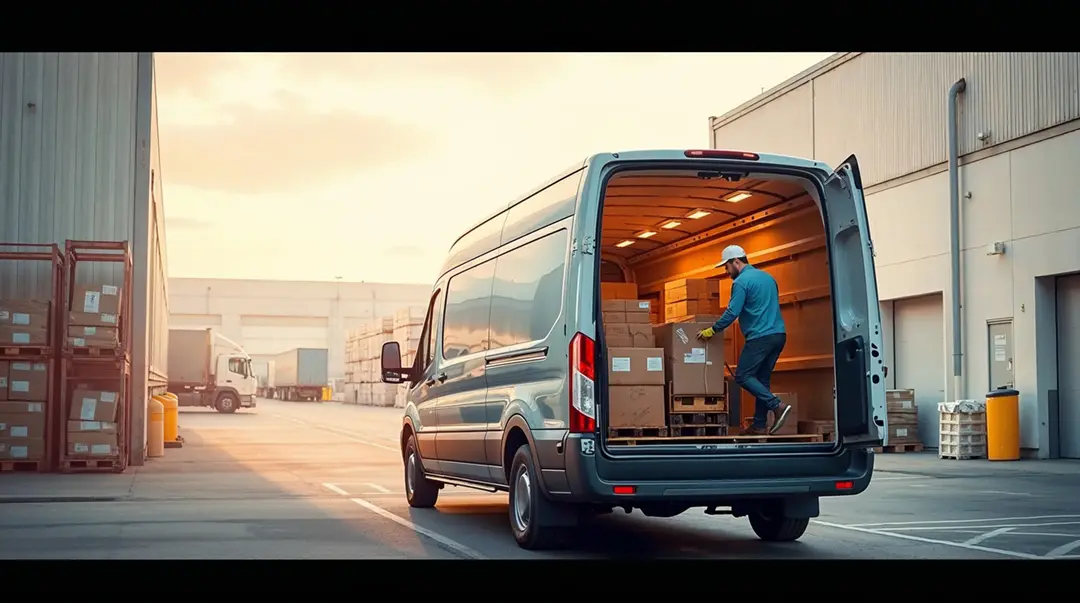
pixel 889 108
pixel 158 346
pixel 67 157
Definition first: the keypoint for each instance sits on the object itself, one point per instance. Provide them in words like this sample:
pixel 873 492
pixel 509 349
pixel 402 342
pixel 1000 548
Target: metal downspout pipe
pixel 954 236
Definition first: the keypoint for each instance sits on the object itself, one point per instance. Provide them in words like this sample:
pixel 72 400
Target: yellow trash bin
pixel 1003 425
pixel 155 428
pixel 172 418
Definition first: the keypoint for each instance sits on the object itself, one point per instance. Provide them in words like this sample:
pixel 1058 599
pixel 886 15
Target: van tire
pixel 227 403
pixel 420 492
pixel 530 534
pixel 777 528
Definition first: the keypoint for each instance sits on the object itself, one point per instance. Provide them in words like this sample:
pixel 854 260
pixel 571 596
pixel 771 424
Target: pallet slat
pixel 38 466
pixel 681 404
pixel 900 448
pixel 699 418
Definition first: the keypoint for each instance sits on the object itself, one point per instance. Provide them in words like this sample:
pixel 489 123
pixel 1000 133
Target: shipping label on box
pixel 22 449
pixel 24 335
pixel 96 299
pixel 635 366
pixel 695 368
pixel 3 380
pixel 24 313
pixel 28 381
pixel 22 425
pixel 92 444
pixel 93 336
pixel 18 408
pixel 637 311
pixel 93 405
pixel 91 427
pixel 93 320
pixel 635 406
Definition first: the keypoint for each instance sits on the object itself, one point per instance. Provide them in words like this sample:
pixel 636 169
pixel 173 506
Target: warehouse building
pixel 269 317
pixel 1017 136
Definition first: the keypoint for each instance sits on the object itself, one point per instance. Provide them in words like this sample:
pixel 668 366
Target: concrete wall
pixel 269 317
pixel 1019 186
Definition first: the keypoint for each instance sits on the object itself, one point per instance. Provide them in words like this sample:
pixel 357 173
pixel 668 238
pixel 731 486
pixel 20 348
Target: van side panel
pixel 546 207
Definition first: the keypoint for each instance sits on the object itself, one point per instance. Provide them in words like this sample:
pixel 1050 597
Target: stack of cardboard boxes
pixel 24 382
pixel 94 317
pixel 91 426
pixel 635 365
pixel 903 417
pixel 689 297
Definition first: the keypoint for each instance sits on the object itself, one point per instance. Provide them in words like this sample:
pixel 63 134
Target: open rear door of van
pixel 861 419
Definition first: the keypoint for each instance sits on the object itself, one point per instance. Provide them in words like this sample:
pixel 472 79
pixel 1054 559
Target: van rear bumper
pixel 587 486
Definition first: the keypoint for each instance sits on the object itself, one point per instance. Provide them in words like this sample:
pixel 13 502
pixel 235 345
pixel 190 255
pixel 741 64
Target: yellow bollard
pixel 155 428
pixel 1003 425
pixel 172 420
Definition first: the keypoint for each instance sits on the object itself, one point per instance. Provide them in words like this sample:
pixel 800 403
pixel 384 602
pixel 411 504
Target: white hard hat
pixel 731 252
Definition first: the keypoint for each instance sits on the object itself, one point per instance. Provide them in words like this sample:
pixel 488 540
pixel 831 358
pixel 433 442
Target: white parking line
pixel 1065 548
pixel 335 489
pixel 959 545
pixel 986 536
pixel 955 528
pixel 959 521
pixel 443 540
pixel 377 487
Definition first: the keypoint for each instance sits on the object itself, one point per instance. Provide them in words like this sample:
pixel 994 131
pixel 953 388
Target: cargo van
pixel 516 388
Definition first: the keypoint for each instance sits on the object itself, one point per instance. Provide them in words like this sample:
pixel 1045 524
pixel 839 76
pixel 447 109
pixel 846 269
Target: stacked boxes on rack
pixel 636 366
pixel 91 425
pixel 24 379
pixel 903 418
pixel 94 317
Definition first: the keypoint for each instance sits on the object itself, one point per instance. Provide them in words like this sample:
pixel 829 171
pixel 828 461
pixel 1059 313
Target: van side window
pixel 527 295
pixel 425 354
pixel 468 304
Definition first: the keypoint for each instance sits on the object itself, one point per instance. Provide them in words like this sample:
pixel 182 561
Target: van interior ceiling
pixel 662 233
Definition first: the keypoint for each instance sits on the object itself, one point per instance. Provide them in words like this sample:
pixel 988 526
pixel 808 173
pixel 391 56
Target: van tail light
pixel 717 154
pixel 582 384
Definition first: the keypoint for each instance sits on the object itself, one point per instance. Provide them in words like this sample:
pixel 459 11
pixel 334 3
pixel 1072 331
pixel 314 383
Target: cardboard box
pixel 613 305
pixel 98 337
pixel 93 405
pixel 791 425
pixel 92 320
pixel 904 434
pixel 92 444
pixel 24 336
pixel 900 401
pixel 22 425
pixel 91 427
pixel 690 289
pixel 635 366
pixel 677 310
pixel 641 335
pixel 615 318
pixel 618 291
pixel 24 313
pixel 28 381
pixel 695 368
pixel 96 299
pixel 629 336
pixel 3 380
pixel 636 406
pixel 19 408
pixel 637 311
pixel 22 449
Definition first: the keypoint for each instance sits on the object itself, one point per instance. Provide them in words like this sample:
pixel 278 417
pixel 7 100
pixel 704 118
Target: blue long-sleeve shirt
pixel 755 301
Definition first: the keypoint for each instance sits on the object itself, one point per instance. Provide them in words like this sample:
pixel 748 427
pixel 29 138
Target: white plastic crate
pixel 962 430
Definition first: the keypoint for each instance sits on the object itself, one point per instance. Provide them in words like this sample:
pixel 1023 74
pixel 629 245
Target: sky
pixel 366 167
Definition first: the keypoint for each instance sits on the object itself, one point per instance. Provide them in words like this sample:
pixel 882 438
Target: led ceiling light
pixel 738 196
pixel 698 214
pixel 670 224
pixel 624 244
pixel 645 234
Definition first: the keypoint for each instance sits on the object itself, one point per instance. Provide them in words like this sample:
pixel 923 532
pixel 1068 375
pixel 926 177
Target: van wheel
pixel 777 528
pixel 528 505
pixel 227 403
pixel 421 492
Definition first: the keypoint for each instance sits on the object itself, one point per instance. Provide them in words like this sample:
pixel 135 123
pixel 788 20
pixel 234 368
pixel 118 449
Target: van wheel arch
pixel 406 433
pixel 515 433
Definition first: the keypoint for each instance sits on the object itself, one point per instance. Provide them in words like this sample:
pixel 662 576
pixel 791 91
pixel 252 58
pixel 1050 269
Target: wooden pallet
pixel 961 457
pixel 23 466
pixel 637 432
pixel 912 447
pixel 25 350
pixel 766 439
pixel 698 418
pixel 827 429
pixel 681 404
pixel 698 430
pixel 91 465
pixel 96 352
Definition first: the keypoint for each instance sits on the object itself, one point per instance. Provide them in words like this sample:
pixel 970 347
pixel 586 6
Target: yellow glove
pixel 706 334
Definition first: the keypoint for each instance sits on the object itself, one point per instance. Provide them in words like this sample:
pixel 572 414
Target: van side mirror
pixel 392 371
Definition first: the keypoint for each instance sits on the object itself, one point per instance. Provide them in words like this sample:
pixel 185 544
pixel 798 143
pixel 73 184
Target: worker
pixel 755 302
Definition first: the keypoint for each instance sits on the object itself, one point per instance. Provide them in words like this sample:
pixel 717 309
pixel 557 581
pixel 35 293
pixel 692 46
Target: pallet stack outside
pixel 29 336
pixel 962 430
pixel 366 387
pixel 95 359
pixel 903 419
pixel 408 324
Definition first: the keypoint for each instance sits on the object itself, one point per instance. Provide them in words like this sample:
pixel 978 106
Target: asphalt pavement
pixel 324 481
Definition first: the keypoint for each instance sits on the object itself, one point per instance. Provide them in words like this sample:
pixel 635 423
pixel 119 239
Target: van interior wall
pixel 789 244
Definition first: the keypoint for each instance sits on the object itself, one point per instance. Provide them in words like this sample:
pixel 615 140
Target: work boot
pixel 750 430
pixel 780 415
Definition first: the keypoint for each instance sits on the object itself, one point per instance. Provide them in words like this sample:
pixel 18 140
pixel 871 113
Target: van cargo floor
pixel 773 439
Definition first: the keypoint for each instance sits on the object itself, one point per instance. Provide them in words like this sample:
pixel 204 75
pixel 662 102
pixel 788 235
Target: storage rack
pixel 39 252
pixel 94 365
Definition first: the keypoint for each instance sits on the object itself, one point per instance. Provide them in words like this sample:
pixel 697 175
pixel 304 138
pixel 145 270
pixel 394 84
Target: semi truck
pixel 208 369
pixel 300 374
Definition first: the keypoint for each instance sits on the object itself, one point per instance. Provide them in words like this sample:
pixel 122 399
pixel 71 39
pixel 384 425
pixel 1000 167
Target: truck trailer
pixel 208 369
pixel 300 374
pixel 264 377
